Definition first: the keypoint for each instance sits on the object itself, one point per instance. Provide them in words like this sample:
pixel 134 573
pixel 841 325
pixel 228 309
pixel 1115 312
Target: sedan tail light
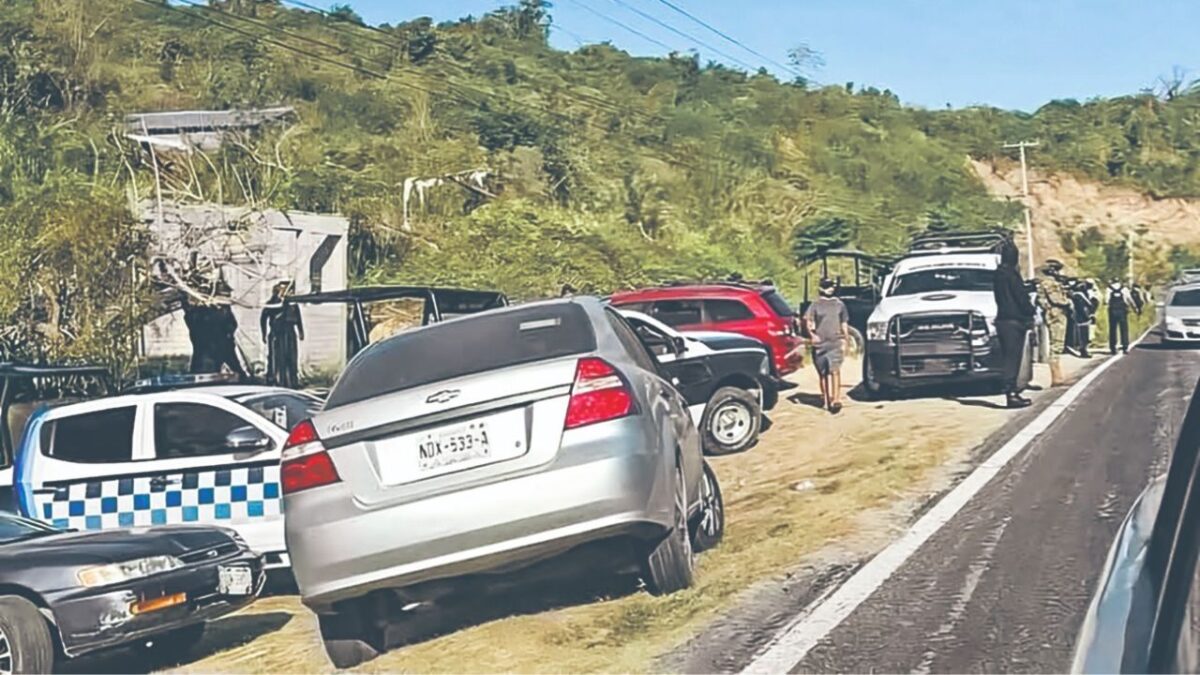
pixel 599 394
pixel 306 464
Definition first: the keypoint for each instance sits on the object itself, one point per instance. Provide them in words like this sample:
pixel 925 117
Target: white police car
pixel 173 452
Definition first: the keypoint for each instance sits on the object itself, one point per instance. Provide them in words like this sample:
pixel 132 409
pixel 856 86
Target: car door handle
pixel 44 491
pixel 161 481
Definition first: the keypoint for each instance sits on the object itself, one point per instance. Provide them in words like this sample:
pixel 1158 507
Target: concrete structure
pixel 254 249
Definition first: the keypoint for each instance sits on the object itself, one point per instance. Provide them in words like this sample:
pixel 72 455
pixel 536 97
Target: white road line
pixel 795 641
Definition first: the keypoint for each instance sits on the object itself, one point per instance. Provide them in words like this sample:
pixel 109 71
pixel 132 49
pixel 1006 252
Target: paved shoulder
pixel 1004 584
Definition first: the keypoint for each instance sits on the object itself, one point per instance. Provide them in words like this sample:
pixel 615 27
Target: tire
pixel 731 422
pixel 871 388
pixel 670 565
pixel 26 645
pixel 708 527
pixel 349 637
pixel 855 344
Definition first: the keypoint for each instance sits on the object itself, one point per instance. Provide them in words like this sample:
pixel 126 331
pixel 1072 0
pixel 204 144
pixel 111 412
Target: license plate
pixel 453 447
pixel 234 580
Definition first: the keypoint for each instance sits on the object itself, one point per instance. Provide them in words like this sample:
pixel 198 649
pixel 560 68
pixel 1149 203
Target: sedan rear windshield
pixel 777 303
pixel 943 279
pixel 465 346
pixel 1188 298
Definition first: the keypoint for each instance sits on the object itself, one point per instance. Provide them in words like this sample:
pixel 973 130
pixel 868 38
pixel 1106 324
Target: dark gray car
pixel 483 445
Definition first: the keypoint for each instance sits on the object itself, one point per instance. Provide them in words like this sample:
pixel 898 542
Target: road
pixel 1004 584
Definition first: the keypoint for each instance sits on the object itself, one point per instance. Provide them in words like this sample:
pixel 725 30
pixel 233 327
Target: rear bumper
pixel 92 619
pixel 341 550
pixel 934 364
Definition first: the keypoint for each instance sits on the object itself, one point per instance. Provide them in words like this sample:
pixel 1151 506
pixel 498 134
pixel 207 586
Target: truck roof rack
pixel 958 242
pixel 732 283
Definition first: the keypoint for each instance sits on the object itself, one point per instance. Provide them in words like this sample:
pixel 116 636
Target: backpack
pixel 1116 302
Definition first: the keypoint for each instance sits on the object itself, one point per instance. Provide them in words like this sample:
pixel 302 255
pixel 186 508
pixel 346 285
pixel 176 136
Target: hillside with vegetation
pixel 591 168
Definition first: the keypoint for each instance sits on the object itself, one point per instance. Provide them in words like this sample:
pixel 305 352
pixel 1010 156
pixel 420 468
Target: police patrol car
pixel 935 321
pixel 175 450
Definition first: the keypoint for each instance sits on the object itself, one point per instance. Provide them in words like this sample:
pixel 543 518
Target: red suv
pixel 753 310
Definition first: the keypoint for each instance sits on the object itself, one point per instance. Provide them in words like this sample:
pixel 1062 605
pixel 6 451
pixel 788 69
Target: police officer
pixel 1014 317
pixel 1119 303
pixel 1084 313
pixel 1056 306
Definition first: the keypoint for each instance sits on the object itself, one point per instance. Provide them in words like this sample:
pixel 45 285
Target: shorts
pixel 828 360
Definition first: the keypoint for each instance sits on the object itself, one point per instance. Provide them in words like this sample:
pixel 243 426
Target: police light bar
pixel 178 381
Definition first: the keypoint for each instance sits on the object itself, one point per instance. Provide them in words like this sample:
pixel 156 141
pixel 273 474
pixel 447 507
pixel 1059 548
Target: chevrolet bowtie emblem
pixel 444 396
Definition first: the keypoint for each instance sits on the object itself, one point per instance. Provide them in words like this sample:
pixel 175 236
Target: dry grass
pixel 859 464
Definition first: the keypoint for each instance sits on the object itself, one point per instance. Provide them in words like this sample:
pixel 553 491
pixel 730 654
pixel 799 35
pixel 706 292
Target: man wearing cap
pixel 1056 304
pixel 827 320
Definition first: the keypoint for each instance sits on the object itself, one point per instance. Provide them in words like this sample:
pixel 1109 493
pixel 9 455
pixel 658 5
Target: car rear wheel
pixel 855 344
pixel 708 527
pixel 670 567
pixel 731 422
pixel 25 642
pixel 350 638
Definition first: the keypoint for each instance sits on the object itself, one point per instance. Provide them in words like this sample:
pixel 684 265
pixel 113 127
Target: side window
pixel 654 339
pixel 192 430
pixel 678 312
pixel 283 410
pixel 720 311
pixel 630 341
pixel 101 437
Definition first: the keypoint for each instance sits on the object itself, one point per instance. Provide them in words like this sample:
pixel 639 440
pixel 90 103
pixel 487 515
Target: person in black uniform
pixel 282 330
pixel 1014 318
pixel 1119 302
pixel 1083 313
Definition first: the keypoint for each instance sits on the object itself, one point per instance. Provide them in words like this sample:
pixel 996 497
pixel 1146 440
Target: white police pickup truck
pixel 935 321
pixel 177 450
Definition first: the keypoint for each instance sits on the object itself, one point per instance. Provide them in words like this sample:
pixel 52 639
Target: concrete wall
pixel 258 248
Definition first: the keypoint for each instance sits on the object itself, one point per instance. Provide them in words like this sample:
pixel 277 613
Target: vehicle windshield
pixel 13 528
pixel 1188 298
pixel 285 409
pixel 943 279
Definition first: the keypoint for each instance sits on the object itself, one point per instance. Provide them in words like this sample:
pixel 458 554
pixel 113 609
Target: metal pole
pixel 1132 233
pixel 1025 198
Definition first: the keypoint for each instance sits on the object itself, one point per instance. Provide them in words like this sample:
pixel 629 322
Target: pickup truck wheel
pixel 855 344
pixel 708 527
pixel 731 421
pixel 872 389
pixel 671 565
pixel 348 638
pixel 26 645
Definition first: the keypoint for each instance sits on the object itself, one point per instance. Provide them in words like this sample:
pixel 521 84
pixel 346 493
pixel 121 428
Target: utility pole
pixel 1025 195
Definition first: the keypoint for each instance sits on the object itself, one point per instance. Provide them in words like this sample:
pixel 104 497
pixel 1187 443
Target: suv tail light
pixel 306 464
pixel 599 394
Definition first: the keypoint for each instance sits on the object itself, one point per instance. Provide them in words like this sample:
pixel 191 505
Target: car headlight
pixel 104 575
pixel 877 330
pixel 1174 322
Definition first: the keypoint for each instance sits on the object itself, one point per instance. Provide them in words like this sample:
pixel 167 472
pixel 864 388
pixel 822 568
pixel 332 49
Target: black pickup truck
pixel 727 379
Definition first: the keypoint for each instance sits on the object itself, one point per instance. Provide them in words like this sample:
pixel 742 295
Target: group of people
pixel 212 329
pixel 1068 308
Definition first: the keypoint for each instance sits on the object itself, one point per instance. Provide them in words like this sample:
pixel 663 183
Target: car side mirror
pixel 678 345
pixel 247 439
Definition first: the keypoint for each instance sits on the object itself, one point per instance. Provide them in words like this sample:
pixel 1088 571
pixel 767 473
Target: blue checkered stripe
pixel 226 496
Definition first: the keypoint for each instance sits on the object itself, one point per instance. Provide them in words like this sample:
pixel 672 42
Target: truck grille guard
pixel 949 336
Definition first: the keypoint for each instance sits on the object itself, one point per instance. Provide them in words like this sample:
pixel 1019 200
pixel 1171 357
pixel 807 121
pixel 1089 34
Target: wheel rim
pixel 713 512
pixel 6 655
pixel 731 423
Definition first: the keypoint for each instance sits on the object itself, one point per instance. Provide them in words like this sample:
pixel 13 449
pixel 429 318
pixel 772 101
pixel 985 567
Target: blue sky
pixel 1015 54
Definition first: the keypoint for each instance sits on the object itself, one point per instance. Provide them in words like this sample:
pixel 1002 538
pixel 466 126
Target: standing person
pixel 282 330
pixel 1119 302
pixel 1139 298
pixel 828 321
pixel 1056 307
pixel 225 348
pixel 1083 312
pixel 1014 317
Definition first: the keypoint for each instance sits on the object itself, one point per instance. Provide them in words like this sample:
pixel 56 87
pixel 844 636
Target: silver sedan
pixel 484 445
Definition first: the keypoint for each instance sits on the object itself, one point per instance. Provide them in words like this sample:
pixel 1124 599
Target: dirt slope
pixel 1061 202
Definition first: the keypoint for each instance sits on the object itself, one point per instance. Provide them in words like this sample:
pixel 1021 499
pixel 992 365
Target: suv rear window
pixel 465 346
pixel 678 312
pixel 778 304
pixel 100 437
pixel 720 311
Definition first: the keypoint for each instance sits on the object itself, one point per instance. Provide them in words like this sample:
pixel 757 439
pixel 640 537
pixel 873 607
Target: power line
pixel 625 26
pixel 728 38
pixel 685 36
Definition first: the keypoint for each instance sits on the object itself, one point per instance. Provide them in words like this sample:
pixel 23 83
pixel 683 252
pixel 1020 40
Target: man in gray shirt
pixel 827 322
